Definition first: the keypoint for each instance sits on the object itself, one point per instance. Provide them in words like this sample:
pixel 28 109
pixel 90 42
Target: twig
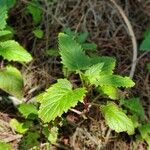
pixel 132 35
pixel 77 28
pixel 145 53
pixel 44 10
pixel 79 113
pixel 140 57
pixel 47 23
pixel 73 139
pixel 107 136
pixel 80 131
pixel 76 111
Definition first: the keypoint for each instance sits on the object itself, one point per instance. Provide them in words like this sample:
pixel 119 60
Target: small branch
pixel 78 112
pixel 107 136
pixel 80 131
pixel 133 38
pixel 77 28
pixel 44 10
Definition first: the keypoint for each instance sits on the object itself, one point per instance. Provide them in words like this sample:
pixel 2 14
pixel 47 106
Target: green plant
pixel 96 74
pixel 145 44
pixel 18 126
pixel 80 37
pixel 11 79
pixel 30 141
pixel 5 146
pixel 145 133
pixel 93 71
pixel 34 9
pixel 97 83
pixel 148 67
pixel 38 33
pixel 134 105
pixel 29 129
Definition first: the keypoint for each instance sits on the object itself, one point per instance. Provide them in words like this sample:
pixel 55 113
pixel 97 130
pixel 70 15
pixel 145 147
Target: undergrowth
pixel 95 74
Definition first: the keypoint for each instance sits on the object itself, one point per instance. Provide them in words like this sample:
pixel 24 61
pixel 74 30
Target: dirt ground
pixel 108 29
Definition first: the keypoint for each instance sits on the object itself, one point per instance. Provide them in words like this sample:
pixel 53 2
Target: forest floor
pixel 107 28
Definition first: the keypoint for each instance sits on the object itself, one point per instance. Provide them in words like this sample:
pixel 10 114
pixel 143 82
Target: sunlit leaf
pixel 3 15
pixel 17 126
pixel 27 109
pixel 111 91
pixel 38 33
pixel 115 80
pixel 5 146
pixel 59 98
pixel 11 81
pixel 72 55
pixel 13 51
pixel 116 119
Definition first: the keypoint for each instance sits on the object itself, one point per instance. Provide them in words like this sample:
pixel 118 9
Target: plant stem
pixel 81 78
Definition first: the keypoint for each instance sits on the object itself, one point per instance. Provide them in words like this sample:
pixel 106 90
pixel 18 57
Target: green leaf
pixel 89 46
pixel 145 132
pixel 11 81
pixel 93 72
pixel 72 55
pixel 10 3
pixel 13 51
pixel 59 98
pixel 38 33
pixel 11 29
pixel 148 67
pixel 134 105
pixel 51 134
pixel 110 91
pixel 30 140
pixel 5 146
pixel 135 120
pixel 97 74
pixel 109 64
pixel 115 81
pixel 35 11
pixel 3 15
pixel 116 119
pixel 27 110
pixel 19 127
pixel 4 32
pixel 69 32
pixel 74 58
pixel 145 45
pixel 52 52
pixel 82 37
pixel 97 78
pixel 5 35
